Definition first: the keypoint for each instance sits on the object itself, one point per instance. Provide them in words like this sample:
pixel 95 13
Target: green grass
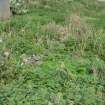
pixel 69 71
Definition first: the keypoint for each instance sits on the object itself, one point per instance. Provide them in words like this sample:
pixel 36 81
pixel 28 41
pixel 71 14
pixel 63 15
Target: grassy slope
pixel 64 76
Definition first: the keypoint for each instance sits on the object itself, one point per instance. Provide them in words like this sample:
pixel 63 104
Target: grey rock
pixel 4 9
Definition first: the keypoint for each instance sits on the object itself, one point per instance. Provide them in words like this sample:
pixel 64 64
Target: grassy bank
pixel 54 54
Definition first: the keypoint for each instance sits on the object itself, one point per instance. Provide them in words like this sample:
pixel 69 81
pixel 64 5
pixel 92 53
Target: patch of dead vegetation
pixel 57 30
pixel 77 25
pixel 74 26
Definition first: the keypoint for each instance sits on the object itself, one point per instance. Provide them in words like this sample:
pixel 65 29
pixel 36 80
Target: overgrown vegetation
pixel 54 54
pixel 18 6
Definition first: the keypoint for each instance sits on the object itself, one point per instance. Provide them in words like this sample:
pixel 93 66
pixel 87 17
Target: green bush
pixel 18 6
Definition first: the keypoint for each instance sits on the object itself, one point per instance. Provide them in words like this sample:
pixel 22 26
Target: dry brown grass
pixel 74 26
pixel 60 32
pixel 77 26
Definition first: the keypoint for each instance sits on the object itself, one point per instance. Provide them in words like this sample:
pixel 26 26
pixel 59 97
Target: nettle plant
pixel 18 6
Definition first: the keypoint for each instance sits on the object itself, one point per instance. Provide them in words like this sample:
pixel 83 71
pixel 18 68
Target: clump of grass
pixel 7 71
pixel 55 31
pixel 77 26
pixel 85 37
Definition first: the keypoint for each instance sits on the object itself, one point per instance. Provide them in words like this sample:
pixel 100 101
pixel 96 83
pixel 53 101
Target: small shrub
pixel 18 6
